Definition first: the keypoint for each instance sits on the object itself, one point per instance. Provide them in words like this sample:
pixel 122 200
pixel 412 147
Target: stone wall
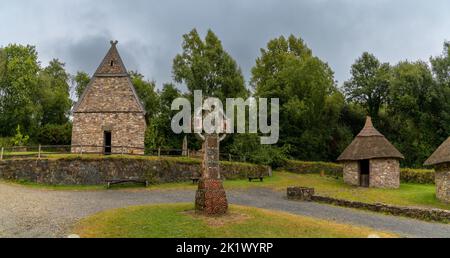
pixel 443 182
pixel 94 171
pixel 438 215
pixel 384 173
pixel 351 173
pixel 108 94
pixel 109 104
pixel 127 129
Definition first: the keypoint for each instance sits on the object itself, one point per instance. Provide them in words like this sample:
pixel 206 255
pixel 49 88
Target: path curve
pixel 26 212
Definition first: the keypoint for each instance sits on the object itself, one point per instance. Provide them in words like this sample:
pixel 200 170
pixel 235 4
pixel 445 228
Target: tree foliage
pixel 81 81
pixel 310 104
pixel 369 83
pixel 206 66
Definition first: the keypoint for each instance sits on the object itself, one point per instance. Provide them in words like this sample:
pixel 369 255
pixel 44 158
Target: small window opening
pixel 112 62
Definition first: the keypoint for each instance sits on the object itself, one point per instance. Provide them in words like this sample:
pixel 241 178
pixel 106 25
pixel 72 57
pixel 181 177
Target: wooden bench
pixel 111 182
pixel 260 178
pixel 195 180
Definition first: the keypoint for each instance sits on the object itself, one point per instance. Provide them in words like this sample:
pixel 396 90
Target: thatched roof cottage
pixel 371 160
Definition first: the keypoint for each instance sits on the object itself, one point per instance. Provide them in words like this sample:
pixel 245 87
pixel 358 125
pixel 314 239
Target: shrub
pixel 5 142
pixel 55 134
pixel 417 176
pixel 19 139
pixel 306 167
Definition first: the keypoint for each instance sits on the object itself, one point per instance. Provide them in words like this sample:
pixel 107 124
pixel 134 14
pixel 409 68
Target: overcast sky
pixel 150 32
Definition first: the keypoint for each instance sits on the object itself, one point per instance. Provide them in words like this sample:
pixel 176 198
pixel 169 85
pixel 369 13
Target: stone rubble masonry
pixel 127 129
pixel 438 215
pixel 351 173
pixel 109 104
pixel 442 179
pixel 95 171
pixel 211 198
pixel 384 173
pixel 300 193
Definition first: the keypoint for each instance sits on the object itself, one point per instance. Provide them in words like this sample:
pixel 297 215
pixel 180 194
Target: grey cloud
pixel 150 32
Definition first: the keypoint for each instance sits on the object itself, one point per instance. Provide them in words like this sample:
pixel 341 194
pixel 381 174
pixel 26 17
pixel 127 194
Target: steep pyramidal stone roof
pixel 112 67
pixel 370 144
pixel 441 155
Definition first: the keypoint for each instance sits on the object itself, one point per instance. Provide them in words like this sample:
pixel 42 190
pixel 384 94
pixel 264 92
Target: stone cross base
pixel 211 198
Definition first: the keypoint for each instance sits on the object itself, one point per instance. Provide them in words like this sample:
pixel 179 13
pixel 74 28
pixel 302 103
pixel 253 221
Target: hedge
pixel 407 175
pixel 308 167
pixel 417 176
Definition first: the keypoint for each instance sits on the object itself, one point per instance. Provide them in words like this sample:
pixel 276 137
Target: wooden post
pixel 159 152
pixel 229 157
pixel 39 153
pixel 81 150
pixel 1 154
pixel 189 153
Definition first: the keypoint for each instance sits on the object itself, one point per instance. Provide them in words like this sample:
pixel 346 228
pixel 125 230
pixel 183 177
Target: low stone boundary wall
pixel 300 193
pixel 94 171
pixel 438 215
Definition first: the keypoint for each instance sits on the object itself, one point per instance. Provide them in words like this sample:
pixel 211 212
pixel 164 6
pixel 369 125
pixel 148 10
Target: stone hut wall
pixel 127 129
pixel 442 180
pixel 351 173
pixel 384 173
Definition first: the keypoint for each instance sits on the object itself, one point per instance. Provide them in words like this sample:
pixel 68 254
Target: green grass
pixel 408 195
pixel 179 221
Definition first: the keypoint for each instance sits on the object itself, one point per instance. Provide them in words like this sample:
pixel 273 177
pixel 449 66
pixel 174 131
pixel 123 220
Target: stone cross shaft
pixel 211 198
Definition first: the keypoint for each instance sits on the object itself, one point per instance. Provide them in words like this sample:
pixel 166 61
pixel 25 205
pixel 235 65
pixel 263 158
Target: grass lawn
pixel 179 221
pixel 408 195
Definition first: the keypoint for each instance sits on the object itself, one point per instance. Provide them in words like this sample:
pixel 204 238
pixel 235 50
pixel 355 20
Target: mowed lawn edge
pixel 179 221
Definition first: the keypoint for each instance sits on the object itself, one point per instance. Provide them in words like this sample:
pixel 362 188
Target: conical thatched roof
pixel 441 155
pixel 370 144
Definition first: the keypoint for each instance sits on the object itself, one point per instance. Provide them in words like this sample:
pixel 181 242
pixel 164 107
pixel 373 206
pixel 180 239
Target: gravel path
pixel 26 212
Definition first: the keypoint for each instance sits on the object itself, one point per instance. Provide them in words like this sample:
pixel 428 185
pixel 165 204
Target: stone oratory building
pixel 440 159
pixel 109 117
pixel 371 160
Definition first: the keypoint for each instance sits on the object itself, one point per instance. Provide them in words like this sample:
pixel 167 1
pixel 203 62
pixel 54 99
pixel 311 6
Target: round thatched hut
pixel 371 160
pixel 440 159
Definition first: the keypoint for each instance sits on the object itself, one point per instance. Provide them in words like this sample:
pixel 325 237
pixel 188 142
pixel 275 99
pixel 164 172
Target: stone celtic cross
pixel 211 197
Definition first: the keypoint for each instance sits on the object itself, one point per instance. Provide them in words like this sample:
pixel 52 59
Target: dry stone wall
pixel 90 171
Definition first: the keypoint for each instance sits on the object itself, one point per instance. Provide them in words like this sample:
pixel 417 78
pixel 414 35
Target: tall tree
pixel 369 83
pixel 17 88
pixel 81 80
pixel 441 94
pixel 410 122
pixel 441 66
pixel 205 65
pixel 147 94
pixel 159 132
pixel 309 101
pixel 53 94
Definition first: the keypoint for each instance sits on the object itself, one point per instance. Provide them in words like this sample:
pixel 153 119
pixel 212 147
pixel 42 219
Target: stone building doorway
pixel 364 173
pixel 107 143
